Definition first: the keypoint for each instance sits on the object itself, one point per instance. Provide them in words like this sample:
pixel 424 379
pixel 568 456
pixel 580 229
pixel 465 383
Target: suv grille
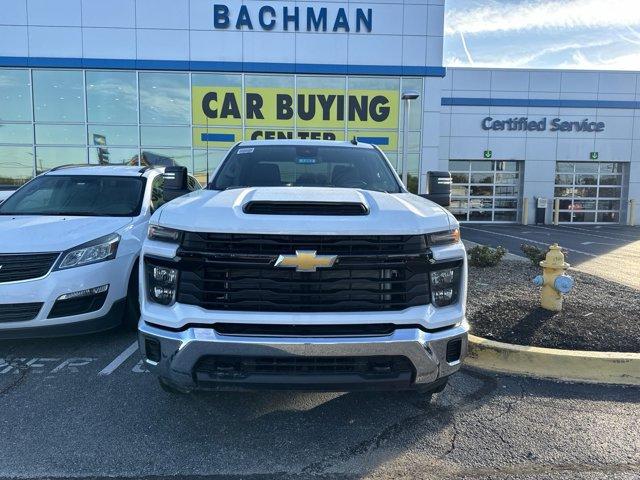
pixel 19 312
pixel 25 266
pixel 236 272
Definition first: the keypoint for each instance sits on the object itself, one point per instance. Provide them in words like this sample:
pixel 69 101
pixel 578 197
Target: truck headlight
pixel 98 250
pixel 162 283
pixel 443 238
pixel 164 234
pixel 445 286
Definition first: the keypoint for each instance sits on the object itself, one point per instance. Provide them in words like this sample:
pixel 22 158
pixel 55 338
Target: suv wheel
pixel 132 307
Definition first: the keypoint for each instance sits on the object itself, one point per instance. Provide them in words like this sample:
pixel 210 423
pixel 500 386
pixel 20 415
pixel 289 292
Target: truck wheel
pixel 132 307
pixel 167 387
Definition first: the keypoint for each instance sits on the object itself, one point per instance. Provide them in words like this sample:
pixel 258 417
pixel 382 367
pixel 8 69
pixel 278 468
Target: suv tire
pixel 131 314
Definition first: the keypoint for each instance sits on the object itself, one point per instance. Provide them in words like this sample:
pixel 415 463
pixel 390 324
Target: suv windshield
pixel 77 195
pixel 305 166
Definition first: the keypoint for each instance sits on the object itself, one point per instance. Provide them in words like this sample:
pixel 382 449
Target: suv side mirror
pixel 175 182
pixel 439 188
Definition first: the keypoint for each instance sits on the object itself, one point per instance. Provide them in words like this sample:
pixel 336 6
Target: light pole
pixel 407 97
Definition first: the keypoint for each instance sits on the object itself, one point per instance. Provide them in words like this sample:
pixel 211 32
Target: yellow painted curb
pixel 570 365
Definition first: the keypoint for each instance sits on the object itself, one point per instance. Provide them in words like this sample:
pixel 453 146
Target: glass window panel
pixel 460 177
pixel 60 134
pixel 482 166
pixel 564 179
pixel 584 216
pixel 458 205
pixel 393 160
pixel 206 161
pixel 610 192
pixel 584 167
pixel 459 165
pixel 216 79
pixel 413 182
pixel 16 166
pixel 588 179
pixel 113 156
pixel 167 157
pixel 112 97
pixel 609 205
pixel 322 82
pixel 507 166
pixel 611 167
pixel 113 135
pixel 609 217
pixel 459 191
pixel 15 95
pixel 586 192
pixel 480 216
pixel 165 98
pixel 584 205
pixel 507 191
pixel 482 178
pixel 610 179
pixel 413 162
pixel 559 192
pixel 507 178
pixel 16 132
pixel 165 136
pixel 500 216
pixel 461 217
pixel 506 203
pixel 374 83
pixel 49 157
pixel 58 96
pixel 564 217
pixel 564 167
pixel 481 203
pixel 566 204
pixel 413 138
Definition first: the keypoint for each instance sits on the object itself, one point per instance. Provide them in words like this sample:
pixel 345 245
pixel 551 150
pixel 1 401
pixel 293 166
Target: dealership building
pixel 168 82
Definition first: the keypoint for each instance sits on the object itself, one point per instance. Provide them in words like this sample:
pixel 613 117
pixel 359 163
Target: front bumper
pixel 180 352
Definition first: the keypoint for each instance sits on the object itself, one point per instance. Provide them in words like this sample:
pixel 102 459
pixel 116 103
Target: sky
pixel 581 34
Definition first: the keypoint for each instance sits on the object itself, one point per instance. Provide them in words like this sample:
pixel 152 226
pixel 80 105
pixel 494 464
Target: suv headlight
pixel 164 234
pixel 443 238
pixel 98 250
pixel 162 282
pixel 445 285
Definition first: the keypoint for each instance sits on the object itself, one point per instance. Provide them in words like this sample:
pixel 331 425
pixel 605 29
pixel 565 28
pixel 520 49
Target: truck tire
pixel 131 314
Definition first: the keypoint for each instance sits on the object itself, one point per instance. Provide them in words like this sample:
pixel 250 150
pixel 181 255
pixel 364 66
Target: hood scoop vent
pixel 347 209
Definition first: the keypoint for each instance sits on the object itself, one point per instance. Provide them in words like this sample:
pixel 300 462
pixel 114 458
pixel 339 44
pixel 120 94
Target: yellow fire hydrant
pixel 553 280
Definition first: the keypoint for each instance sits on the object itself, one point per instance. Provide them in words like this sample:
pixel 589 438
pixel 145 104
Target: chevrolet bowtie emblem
pixel 306 261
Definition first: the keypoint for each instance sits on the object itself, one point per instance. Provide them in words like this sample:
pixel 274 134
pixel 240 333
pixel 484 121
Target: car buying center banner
pixel 270 113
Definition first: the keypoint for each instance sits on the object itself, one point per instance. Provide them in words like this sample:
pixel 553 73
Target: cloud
pixel 529 15
pixel 621 62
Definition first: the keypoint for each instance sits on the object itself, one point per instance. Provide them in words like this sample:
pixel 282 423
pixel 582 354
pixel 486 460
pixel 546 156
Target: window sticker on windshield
pixel 244 150
pixel 306 161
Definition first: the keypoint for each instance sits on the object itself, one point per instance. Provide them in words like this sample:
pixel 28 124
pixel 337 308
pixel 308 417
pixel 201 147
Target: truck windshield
pixel 77 195
pixel 305 166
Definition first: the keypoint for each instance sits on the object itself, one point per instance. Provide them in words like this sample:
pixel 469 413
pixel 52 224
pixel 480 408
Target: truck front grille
pixel 16 267
pixel 19 312
pixel 237 272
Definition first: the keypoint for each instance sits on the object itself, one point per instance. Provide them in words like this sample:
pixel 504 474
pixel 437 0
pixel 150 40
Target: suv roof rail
pixel 72 165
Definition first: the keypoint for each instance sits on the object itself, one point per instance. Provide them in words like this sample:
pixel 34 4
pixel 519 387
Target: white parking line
pixel 490 232
pixel 119 360
pixel 583 232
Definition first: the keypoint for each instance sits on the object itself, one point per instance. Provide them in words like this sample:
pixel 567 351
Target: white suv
pixel 69 246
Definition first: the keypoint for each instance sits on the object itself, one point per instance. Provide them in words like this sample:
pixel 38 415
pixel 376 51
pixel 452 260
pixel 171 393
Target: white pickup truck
pixel 304 264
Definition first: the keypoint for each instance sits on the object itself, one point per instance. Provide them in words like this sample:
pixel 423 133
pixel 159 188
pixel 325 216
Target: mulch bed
pixel 598 315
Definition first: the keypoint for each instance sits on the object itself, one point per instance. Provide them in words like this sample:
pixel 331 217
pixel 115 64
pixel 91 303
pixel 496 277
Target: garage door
pixel 589 192
pixel 485 190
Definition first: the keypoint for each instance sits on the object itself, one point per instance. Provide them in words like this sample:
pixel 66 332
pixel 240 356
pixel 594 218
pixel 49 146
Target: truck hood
pixel 40 233
pixel 222 212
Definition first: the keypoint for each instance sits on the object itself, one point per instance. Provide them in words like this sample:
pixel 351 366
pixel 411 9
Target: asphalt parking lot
pixel 612 252
pixel 85 407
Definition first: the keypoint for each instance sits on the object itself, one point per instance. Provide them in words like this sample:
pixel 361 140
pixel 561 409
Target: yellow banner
pixel 310 109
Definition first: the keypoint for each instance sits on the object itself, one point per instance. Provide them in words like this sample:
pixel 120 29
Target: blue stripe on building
pixel 374 140
pixel 538 102
pixel 218 137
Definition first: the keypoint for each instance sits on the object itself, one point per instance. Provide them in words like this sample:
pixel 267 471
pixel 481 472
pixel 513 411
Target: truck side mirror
pixel 439 188
pixel 175 182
